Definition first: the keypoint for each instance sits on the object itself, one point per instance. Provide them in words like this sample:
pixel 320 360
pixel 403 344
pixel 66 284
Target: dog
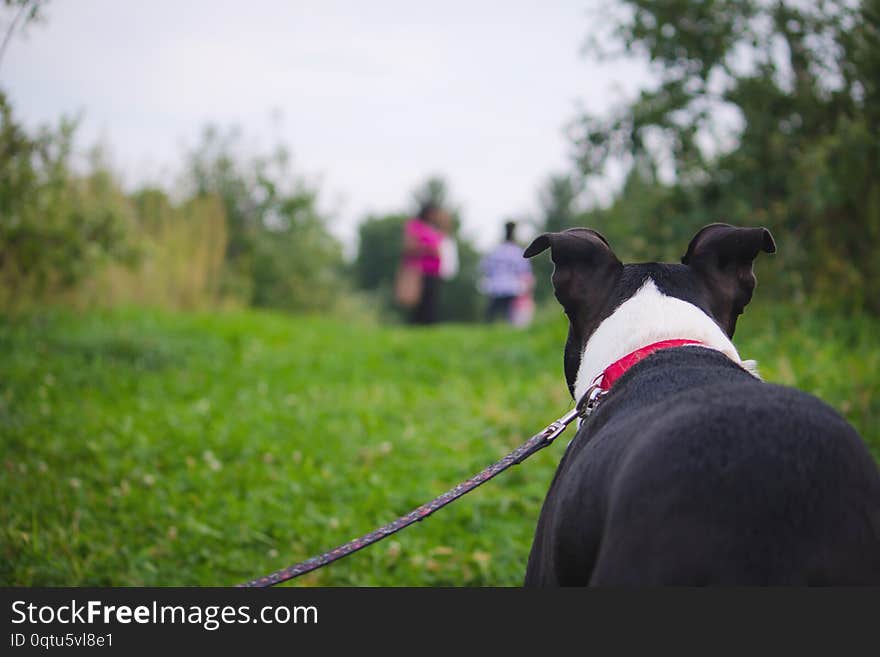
pixel 691 470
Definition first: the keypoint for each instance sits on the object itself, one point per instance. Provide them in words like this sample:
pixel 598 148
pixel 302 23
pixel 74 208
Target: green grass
pixel 145 448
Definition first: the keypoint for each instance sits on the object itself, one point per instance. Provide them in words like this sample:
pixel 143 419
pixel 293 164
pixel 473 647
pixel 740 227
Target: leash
pixel 539 441
pixel 585 406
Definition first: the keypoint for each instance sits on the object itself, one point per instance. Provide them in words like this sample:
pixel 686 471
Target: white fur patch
pixel 649 316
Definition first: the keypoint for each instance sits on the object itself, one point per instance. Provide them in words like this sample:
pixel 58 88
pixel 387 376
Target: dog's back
pixel 694 472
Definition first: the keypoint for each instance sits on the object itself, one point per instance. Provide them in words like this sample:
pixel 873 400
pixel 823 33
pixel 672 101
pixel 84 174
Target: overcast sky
pixel 373 96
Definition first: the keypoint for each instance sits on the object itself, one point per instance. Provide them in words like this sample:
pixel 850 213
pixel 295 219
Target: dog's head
pixel 715 276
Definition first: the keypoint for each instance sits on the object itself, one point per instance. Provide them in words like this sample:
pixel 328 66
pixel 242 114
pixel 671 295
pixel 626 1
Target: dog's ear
pixel 585 267
pixel 722 257
pixel 584 276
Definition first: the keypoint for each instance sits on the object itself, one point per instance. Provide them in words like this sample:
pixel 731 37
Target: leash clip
pixel 554 430
pixel 591 398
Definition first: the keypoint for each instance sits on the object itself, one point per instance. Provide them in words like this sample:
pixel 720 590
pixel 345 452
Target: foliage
pixel 297 266
pixel 18 15
pixel 764 113
pixel 434 190
pixel 56 228
pixel 181 257
pixel 249 232
pixel 380 243
pixel 279 253
pixel 147 448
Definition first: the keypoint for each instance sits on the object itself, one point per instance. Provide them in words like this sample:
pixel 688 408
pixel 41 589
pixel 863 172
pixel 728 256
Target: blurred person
pixel 507 278
pixel 418 276
pixel 448 247
pixel 523 308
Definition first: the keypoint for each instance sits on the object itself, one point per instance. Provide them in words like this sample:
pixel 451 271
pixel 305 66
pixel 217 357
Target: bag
pixel 408 285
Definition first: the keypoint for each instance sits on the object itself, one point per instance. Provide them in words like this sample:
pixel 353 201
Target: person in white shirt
pixel 506 275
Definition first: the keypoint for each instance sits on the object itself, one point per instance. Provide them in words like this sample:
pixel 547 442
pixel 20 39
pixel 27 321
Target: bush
pixel 181 257
pixel 56 228
pixel 279 253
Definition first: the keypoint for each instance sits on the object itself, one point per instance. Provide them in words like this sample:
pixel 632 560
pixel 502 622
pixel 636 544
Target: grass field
pixel 144 448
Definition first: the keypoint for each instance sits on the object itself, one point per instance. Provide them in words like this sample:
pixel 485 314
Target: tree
pixel 799 150
pixel 559 202
pixel 19 14
pixel 380 242
pixel 434 190
pixel 279 252
pixel 56 227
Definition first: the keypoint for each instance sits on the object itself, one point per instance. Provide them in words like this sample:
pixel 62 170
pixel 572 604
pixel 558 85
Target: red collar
pixel 614 371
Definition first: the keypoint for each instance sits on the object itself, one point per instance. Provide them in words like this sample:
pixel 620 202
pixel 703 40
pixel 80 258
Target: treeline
pixel 245 231
pixel 763 113
pixel 241 229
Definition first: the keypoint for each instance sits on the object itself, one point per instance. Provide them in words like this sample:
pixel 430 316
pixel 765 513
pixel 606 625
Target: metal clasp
pixel 591 398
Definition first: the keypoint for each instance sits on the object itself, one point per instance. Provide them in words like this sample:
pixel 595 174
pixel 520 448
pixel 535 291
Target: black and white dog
pixel 691 470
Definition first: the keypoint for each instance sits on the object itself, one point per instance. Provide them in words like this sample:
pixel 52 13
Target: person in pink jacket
pixel 421 249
